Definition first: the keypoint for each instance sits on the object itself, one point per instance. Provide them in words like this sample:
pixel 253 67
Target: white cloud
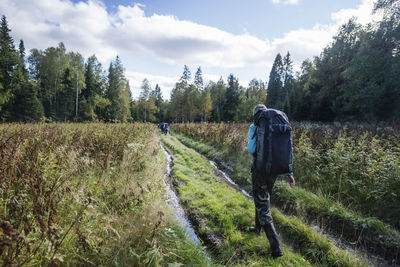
pixel 89 28
pixel 362 13
pixel 136 78
pixel 286 2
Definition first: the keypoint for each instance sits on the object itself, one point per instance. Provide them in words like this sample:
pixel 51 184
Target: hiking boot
pixel 273 240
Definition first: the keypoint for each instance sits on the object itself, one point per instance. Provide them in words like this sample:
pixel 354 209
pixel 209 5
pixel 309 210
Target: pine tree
pixel 144 97
pixel 198 79
pixel 177 102
pixel 186 76
pixel 8 62
pixel 159 102
pixel 217 91
pixel 191 100
pixel 65 104
pixel 21 49
pixel 92 102
pixel 231 98
pixel 287 83
pixel 274 88
pixel 118 93
pixel 25 105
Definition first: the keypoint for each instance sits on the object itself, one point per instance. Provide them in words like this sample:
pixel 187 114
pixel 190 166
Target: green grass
pixel 238 161
pixel 369 233
pixel 223 212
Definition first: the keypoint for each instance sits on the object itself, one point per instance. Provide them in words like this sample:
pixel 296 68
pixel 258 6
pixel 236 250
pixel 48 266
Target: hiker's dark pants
pixel 262 191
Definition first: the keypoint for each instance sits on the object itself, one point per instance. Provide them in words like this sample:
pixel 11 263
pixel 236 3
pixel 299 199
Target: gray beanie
pixel 258 108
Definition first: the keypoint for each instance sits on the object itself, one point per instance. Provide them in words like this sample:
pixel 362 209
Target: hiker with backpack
pixel 270 143
pixel 165 128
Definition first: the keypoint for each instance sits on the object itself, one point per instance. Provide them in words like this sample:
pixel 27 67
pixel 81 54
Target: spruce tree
pixel 159 102
pixel 274 89
pixel 65 104
pixel 231 98
pixel 8 62
pixel 186 75
pixel 21 49
pixel 92 101
pixel 118 93
pixel 288 81
pixel 24 104
pixel 198 79
pixel 217 91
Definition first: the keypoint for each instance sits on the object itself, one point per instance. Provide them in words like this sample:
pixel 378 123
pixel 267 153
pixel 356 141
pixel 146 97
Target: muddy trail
pixel 222 170
pixel 190 167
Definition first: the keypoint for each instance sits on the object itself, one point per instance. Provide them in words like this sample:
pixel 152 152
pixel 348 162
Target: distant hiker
pixel 270 143
pixel 165 128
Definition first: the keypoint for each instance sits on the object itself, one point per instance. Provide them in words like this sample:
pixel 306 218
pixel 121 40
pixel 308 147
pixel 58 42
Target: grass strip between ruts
pixel 370 233
pixel 223 212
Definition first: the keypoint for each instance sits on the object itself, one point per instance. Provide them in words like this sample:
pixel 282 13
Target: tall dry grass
pixel 79 193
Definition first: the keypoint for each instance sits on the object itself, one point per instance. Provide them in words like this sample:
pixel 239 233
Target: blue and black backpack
pixel 274 151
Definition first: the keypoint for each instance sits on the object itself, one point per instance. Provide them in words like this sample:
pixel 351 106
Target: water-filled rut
pixel 173 202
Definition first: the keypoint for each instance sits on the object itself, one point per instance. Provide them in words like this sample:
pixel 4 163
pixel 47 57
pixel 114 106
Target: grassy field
pixel 340 171
pixel 87 194
pixel 94 194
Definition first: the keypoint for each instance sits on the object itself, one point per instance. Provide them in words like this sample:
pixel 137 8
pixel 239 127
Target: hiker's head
pixel 258 108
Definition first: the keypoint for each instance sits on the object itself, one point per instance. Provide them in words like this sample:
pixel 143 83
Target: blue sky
pixel 154 39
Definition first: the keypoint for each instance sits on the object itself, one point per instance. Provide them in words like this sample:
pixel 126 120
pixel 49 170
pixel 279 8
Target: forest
pixel 355 78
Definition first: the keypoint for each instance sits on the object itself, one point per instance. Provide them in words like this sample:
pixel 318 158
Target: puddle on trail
pixel 173 202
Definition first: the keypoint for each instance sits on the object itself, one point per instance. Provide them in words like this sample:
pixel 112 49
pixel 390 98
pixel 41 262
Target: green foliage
pixel 146 109
pixel 231 98
pixel 24 104
pixel 8 62
pixel 118 93
pixel 366 232
pixel 280 84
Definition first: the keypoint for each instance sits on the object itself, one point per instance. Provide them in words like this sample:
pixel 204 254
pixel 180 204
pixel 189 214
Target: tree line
pixel 356 77
pixel 56 85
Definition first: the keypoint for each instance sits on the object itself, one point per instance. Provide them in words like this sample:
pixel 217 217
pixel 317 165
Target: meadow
pixel 95 195
pixel 87 194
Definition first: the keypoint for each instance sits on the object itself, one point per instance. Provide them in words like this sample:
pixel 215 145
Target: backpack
pixel 274 153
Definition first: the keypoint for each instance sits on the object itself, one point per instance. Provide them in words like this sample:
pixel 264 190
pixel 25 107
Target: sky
pixel 156 38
